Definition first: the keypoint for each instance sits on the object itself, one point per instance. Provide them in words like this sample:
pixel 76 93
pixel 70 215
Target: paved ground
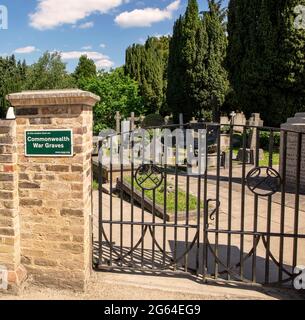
pixel 111 286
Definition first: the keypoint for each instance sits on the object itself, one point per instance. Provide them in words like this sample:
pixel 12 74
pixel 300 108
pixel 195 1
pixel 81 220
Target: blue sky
pixel 101 28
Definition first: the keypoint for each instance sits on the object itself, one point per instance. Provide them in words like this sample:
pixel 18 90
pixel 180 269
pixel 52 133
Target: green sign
pixel 49 143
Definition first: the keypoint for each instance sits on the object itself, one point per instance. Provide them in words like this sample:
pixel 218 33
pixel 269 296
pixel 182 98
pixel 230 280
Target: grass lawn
pixel 275 159
pixel 95 185
pixel 170 197
pixel 265 162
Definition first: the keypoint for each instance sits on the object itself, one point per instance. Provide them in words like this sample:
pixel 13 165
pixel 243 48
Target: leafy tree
pixel 118 92
pixel 266 58
pixel 48 73
pixel 86 68
pixel 11 79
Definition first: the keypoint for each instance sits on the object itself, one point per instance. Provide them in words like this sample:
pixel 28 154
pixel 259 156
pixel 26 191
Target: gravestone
pixel 118 122
pixel 249 156
pixel 132 120
pixel 125 125
pixel 294 127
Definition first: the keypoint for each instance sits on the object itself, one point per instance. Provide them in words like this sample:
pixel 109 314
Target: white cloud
pixel 50 14
pixel 102 45
pixel 25 50
pixel 159 35
pixel 87 48
pixel 101 60
pixel 146 17
pixel 86 25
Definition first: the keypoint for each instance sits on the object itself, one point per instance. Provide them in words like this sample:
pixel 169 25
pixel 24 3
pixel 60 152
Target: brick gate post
pixel 11 271
pixel 55 192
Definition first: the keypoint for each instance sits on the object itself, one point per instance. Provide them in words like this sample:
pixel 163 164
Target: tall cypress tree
pixel 266 58
pixel 216 85
pixel 182 91
pixel 197 79
pixel 176 97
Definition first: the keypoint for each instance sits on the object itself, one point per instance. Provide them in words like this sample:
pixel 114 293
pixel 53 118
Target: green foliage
pixel 265 140
pixel 207 115
pixel 266 58
pixel 118 92
pixel 95 185
pixel 147 64
pixel 197 79
pixel 86 68
pixel 48 73
pixel 11 80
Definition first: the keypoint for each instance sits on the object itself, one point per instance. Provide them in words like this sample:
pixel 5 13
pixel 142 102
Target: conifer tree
pixel 197 79
pixel 182 91
pixel 266 58
pixel 147 65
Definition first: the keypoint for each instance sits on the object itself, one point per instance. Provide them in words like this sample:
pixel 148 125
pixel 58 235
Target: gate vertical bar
pixel 131 141
pixel 176 211
pixel 205 210
pixel 187 221
pixel 111 200
pixel 100 208
pixel 230 202
pixel 165 157
pixel 198 223
pixel 255 219
pixel 121 199
pixel 142 206
pixel 283 206
pixel 216 270
pixel 165 212
pixel 243 195
pixel 269 213
pixel 297 200
pixel 154 229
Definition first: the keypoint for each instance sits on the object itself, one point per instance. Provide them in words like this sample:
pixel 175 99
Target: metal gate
pixel 215 201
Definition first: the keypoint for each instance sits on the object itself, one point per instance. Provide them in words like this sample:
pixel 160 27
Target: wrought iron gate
pixel 231 212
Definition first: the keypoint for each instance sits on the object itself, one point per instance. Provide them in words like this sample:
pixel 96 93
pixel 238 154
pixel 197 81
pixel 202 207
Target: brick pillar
pixel 9 211
pixel 55 193
pixel 294 126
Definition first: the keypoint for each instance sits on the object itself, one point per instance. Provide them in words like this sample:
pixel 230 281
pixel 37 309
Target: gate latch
pixel 212 213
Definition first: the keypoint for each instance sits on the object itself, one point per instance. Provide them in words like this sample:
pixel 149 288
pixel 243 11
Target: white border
pixel 49 155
